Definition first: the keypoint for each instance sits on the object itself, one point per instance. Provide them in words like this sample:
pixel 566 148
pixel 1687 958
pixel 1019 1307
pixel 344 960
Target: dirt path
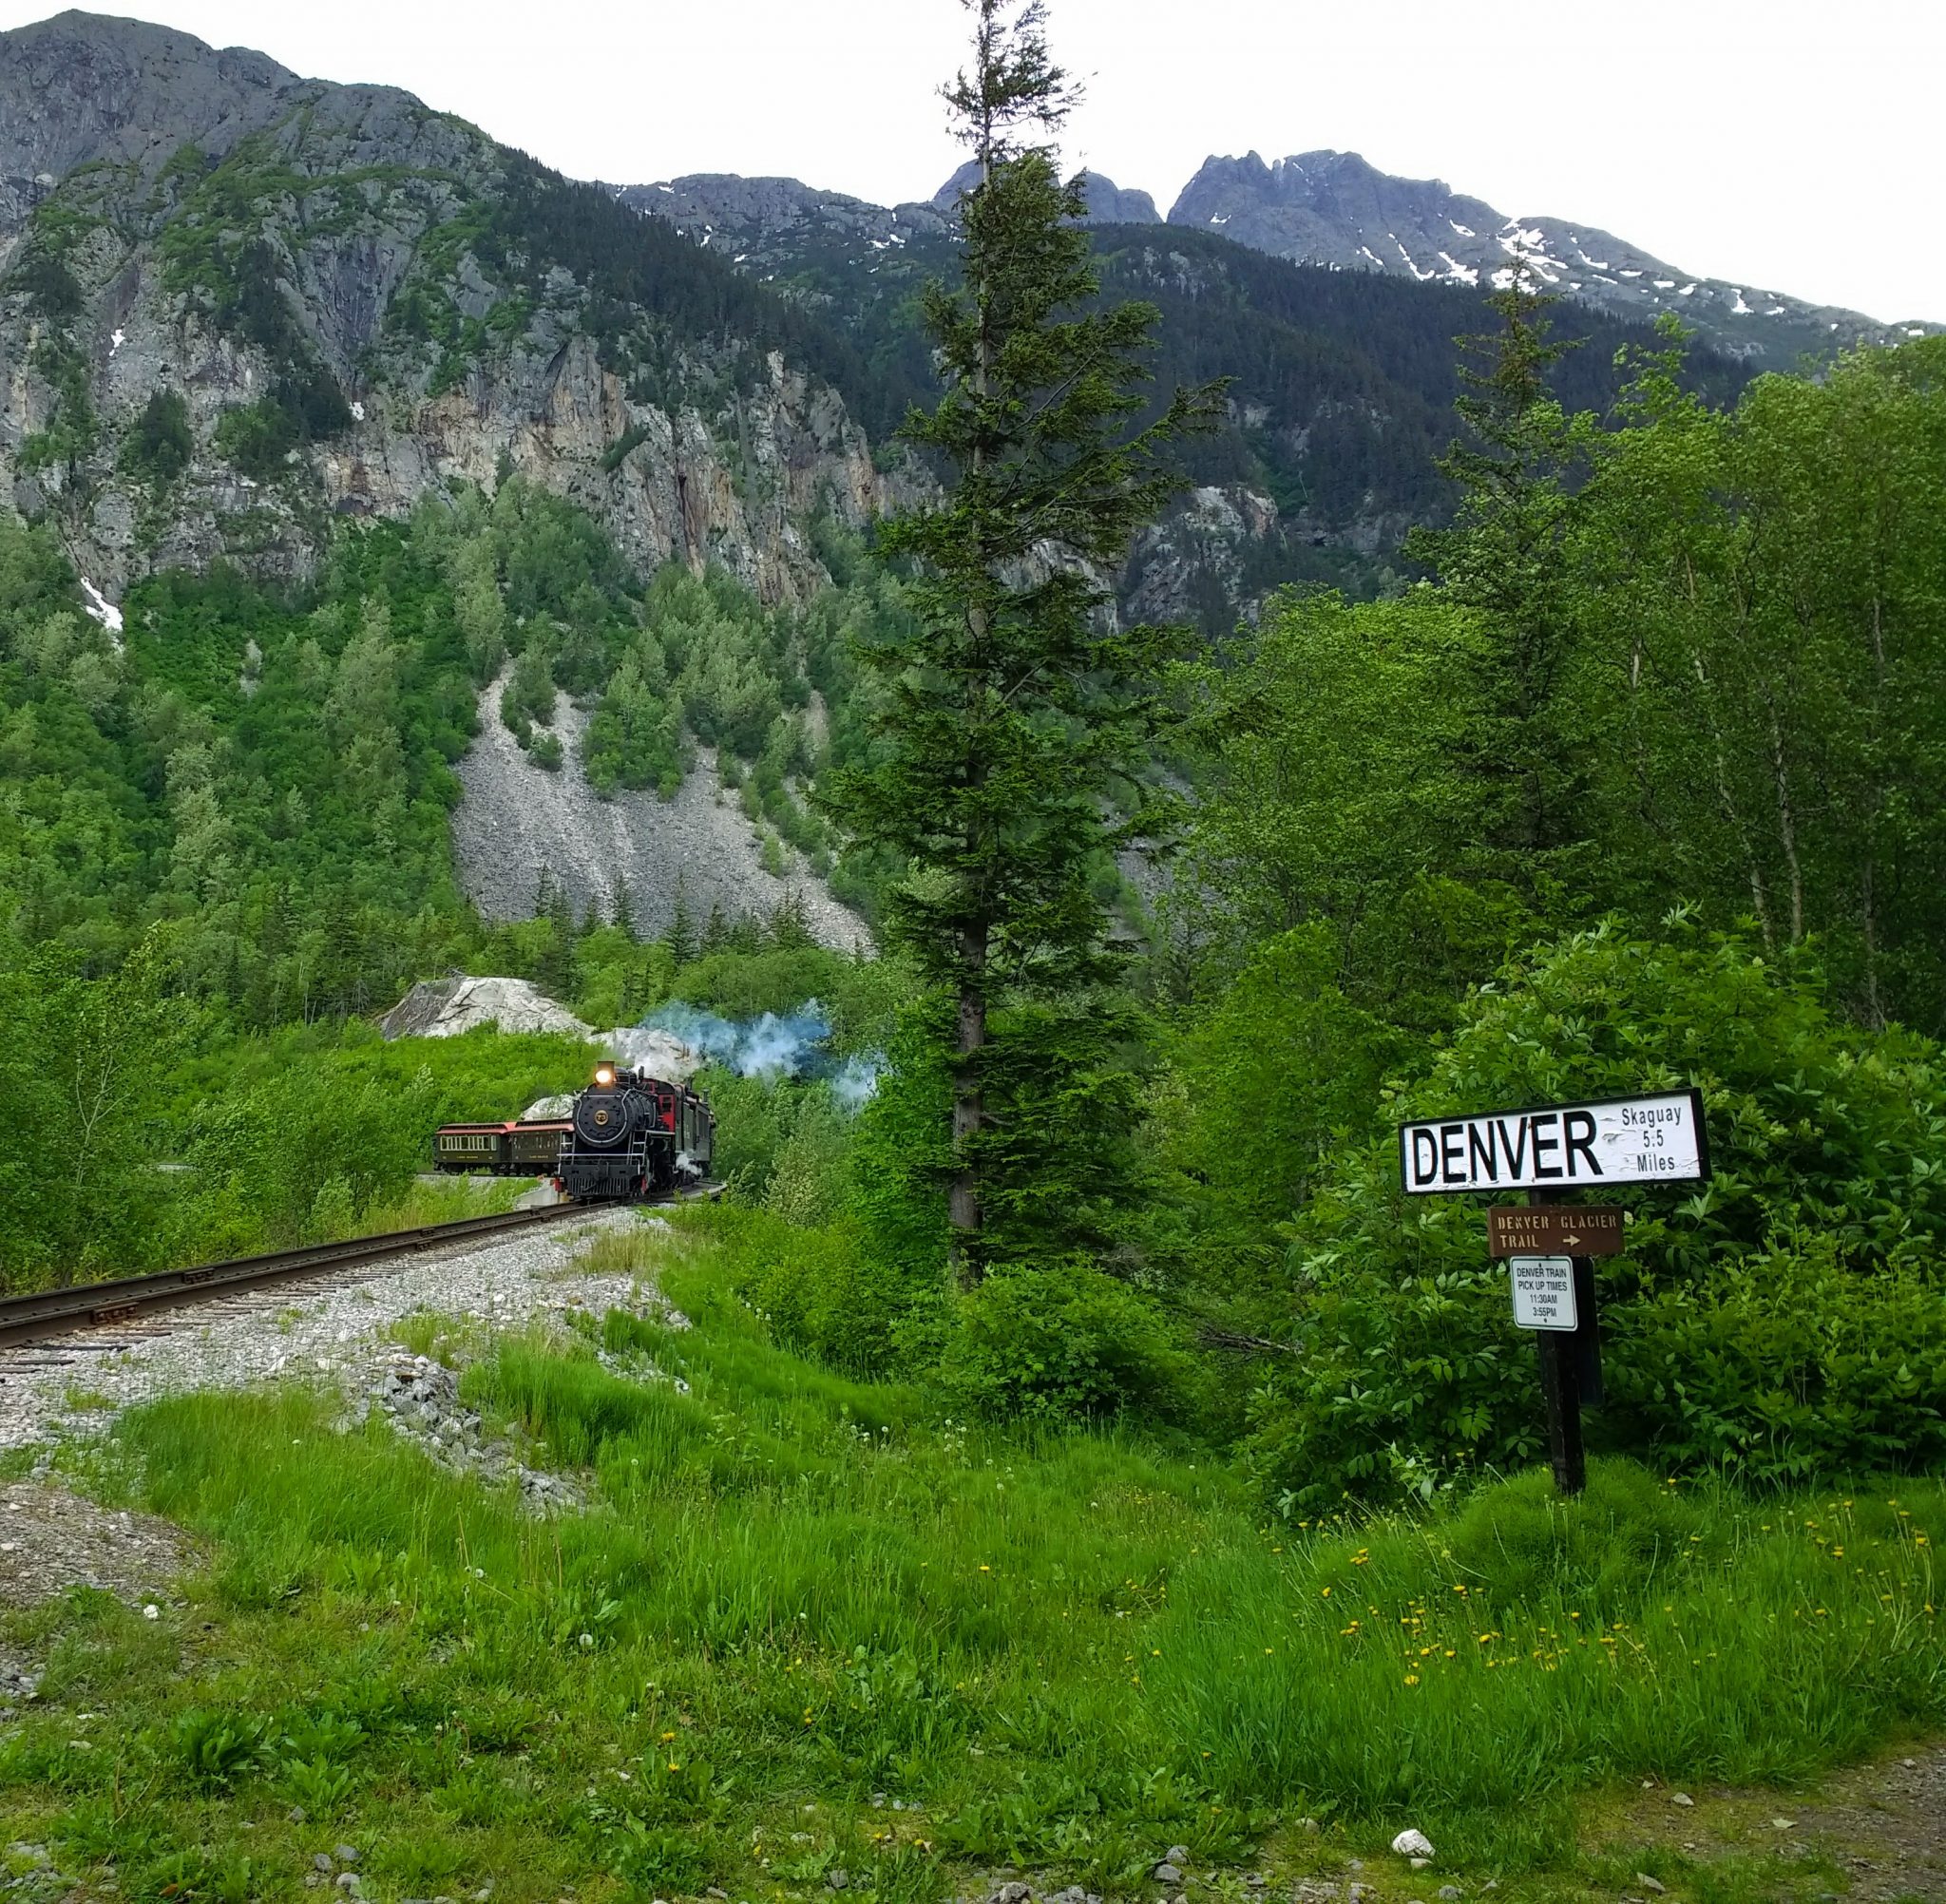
pixel 1872 1833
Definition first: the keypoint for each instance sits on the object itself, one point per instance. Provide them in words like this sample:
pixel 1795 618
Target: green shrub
pixel 44 279
pixel 1774 1320
pixel 161 445
pixel 256 437
pixel 308 1152
pixel 1063 1338
pixel 745 985
pixel 820 1292
pixel 1784 1367
pixel 307 406
pixel 1260 1091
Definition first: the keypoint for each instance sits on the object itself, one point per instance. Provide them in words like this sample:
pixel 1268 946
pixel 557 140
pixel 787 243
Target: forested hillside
pixel 1341 383
pixel 1049 1457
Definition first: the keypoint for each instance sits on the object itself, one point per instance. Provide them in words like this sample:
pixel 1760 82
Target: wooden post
pixel 1561 1390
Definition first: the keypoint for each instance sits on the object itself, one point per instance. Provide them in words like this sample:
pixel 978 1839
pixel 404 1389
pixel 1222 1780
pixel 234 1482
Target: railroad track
pixel 55 1314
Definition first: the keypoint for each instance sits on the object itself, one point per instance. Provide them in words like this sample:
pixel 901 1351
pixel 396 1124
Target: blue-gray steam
pixel 773 1045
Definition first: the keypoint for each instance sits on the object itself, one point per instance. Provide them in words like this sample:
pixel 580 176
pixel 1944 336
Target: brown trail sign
pixel 1554 1230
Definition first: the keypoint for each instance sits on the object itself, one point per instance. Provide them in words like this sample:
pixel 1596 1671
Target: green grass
pixel 423 1203
pixel 796 1592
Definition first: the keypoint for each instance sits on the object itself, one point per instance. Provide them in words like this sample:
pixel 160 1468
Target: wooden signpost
pixel 1548 1245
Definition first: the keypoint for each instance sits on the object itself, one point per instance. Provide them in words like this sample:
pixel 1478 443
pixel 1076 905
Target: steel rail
pixel 58 1312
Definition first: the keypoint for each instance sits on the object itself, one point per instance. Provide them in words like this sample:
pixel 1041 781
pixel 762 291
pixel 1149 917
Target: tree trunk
pixel 965 1215
pixel 964 1211
pixel 1868 900
pixel 1786 824
pixel 1760 896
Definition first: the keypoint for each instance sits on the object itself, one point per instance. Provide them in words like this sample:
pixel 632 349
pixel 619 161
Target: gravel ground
pixel 336 1334
pixel 516 819
pixel 52 1539
pixel 1882 1824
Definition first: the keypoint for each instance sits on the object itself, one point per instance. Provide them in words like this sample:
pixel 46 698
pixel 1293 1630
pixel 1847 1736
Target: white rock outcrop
pixel 450 1007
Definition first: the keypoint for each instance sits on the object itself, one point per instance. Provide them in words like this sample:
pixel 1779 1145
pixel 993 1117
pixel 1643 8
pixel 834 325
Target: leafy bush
pixel 1774 1319
pixel 1062 1339
pixel 822 1293
pixel 305 1153
pixel 304 407
pixel 744 986
pixel 1263 1086
pixel 634 737
pixel 1784 1367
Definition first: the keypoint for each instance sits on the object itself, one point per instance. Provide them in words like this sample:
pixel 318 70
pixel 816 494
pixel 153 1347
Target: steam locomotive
pixel 627 1137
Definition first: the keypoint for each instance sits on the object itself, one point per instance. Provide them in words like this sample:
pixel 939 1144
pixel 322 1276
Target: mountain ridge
pixel 1336 208
pixel 323 300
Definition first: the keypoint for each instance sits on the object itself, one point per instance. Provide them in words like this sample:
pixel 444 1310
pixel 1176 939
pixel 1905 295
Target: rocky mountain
pixel 235 303
pixel 1341 383
pixel 1108 204
pixel 1333 209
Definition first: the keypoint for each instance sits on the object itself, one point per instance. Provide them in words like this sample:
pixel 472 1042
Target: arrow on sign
pixel 1543 1230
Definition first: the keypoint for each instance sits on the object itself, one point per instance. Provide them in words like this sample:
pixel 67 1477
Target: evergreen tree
pixel 1502 555
pixel 680 937
pixel 1015 712
pixel 789 930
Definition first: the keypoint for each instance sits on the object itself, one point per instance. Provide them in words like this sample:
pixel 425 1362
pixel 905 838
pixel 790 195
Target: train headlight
pixel 605 1074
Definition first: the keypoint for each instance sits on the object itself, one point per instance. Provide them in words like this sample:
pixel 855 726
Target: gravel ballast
pixel 335 1335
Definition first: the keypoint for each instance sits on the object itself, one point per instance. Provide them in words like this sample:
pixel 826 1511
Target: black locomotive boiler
pixel 628 1138
pixel 631 1136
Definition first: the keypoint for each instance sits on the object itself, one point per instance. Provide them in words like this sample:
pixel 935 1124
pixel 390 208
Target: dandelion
pixel 667 1737
pixel 1412 1679
pixel 1325 1593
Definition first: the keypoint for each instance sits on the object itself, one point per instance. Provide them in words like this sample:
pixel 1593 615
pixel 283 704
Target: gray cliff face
pixel 1334 209
pixel 177 222
pixel 760 225
pixel 81 88
pixel 517 823
pixel 1108 204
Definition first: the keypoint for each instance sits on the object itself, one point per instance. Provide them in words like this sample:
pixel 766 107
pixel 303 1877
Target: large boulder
pixel 450 1007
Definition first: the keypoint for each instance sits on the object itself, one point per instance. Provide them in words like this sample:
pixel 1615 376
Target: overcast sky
pixel 1777 143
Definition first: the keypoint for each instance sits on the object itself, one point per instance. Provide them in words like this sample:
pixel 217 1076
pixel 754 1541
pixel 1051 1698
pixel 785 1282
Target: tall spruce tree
pixel 1502 555
pixel 1016 713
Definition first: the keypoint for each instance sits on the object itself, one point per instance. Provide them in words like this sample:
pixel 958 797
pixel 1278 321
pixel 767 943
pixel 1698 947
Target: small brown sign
pixel 1554 1230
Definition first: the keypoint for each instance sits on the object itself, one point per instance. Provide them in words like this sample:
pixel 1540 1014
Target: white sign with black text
pixel 1629 1140
pixel 1543 1291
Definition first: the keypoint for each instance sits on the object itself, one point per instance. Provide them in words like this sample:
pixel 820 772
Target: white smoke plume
pixel 773 1045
